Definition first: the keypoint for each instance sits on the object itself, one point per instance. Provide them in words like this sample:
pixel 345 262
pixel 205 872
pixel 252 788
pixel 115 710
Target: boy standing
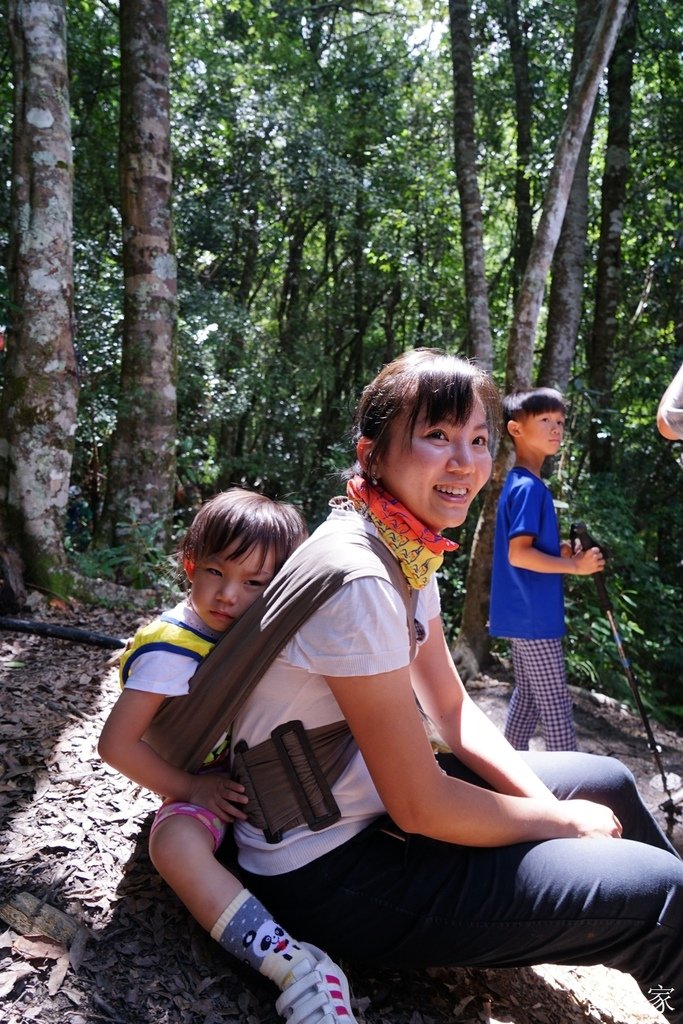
pixel 527 599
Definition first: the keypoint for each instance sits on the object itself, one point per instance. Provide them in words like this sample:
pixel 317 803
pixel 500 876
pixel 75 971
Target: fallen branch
pixel 80 636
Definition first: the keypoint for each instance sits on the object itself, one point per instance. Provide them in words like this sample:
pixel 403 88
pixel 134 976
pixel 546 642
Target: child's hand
pixel 218 793
pixel 587 562
pixel 566 549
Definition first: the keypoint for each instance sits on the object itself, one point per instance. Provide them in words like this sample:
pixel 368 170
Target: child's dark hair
pixel 427 383
pixel 242 520
pixel 534 402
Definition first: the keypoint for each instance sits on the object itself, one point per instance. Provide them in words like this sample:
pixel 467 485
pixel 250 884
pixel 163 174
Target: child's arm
pixel 121 745
pixel 523 555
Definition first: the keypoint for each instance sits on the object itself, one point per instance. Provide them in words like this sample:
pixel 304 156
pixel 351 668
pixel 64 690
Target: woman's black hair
pixel 242 520
pixel 424 383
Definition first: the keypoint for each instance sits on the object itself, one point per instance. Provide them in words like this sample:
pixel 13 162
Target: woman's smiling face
pixel 438 471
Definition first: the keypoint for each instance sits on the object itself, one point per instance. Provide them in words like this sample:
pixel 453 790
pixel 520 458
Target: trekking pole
pixel 579 532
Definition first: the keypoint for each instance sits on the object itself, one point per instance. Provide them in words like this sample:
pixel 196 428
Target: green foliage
pixel 142 561
pixel 317 228
pixel 646 606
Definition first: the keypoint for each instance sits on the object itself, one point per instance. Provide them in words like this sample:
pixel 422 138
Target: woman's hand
pixel 588 820
pixel 219 794
pixel 382 714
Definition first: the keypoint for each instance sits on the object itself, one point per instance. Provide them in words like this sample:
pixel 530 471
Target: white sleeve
pixel 429 603
pixel 162 672
pixel 671 404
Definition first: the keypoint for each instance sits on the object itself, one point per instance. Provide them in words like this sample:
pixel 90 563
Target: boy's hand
pixel 219 794
pixel 587 562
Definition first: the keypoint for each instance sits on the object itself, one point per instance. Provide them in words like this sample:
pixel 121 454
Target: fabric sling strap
pixel 288 777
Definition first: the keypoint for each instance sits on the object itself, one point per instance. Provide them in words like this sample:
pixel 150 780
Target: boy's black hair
pixel 520 404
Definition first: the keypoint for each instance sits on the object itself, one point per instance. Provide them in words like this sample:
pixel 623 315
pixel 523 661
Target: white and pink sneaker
pixel 318 992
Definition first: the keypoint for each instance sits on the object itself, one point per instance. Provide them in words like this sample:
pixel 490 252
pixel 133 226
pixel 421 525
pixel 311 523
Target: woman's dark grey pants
pixel 411 902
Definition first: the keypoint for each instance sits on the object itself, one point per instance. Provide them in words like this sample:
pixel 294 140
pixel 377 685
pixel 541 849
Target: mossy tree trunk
pixel 38 412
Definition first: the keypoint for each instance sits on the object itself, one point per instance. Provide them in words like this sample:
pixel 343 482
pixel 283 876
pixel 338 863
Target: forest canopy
pixel 330 166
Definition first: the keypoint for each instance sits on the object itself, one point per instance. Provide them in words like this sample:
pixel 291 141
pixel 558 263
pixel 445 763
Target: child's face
pixel 223 588
pixel 541 433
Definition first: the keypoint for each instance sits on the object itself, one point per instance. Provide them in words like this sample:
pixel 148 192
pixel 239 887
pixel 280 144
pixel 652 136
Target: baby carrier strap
pixel 185 728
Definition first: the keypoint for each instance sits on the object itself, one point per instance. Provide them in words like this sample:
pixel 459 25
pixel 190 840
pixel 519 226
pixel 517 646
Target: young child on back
pixel 232 550
pixel 529 562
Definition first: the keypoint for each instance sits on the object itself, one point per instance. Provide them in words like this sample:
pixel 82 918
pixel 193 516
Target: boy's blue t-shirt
pixel 525 605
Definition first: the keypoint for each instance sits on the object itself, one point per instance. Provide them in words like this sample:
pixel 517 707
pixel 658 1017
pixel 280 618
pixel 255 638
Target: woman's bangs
pixel 443 396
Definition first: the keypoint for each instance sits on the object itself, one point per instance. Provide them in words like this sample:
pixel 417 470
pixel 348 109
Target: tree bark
pixel 141 479
pixel 519 57
pixel 38 414
pixel 523 332
pixel 472 644
pixel 602 340
pixel 566 289
pixel 480 343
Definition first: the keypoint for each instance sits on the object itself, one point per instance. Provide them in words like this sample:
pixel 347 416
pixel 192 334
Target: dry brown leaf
pixel 11 976
pixel 57 975
pixel 38 947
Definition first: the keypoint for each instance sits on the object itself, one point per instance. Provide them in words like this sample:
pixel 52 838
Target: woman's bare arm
pixel 383 716
pixel 463 726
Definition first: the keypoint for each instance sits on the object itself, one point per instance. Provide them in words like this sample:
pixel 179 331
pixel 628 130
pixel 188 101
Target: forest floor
pixel 114 944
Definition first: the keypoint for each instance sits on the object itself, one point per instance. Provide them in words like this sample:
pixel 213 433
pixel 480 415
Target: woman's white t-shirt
pixel 361 631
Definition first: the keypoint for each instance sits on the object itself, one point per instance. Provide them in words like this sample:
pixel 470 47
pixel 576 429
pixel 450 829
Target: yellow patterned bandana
pixel 418 550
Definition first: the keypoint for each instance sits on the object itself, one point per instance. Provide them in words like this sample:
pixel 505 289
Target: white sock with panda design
pixel 247 930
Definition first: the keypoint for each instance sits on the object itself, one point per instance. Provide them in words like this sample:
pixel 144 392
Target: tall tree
pixel 38 412
pixel 580 110
pixel 141 480
pixel 472 643
pixel 565 301
pixel 480 344
pixel 602 340
pixel 519 55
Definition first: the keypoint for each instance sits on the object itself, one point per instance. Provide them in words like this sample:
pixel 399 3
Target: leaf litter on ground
pixel 73 847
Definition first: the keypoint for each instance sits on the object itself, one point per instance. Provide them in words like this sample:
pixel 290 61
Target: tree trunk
pixel 523 332
pixel 602 340
pixel 472 643
pixel 519 57
pixel 141 480
pixel 480 344
pixel 38 415
pixel 566 290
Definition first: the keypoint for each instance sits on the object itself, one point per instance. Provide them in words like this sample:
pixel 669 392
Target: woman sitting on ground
pixel 480 857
